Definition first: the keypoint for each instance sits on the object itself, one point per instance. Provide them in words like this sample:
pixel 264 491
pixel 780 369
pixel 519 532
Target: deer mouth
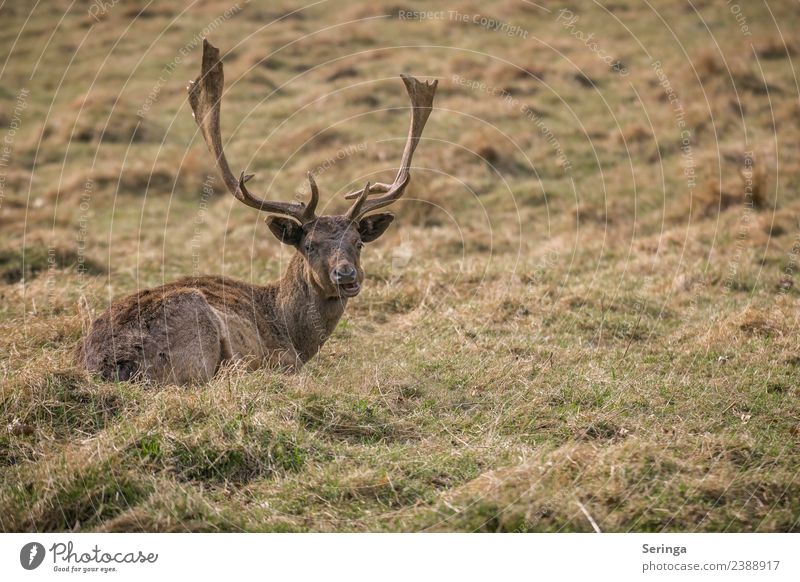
pixel 350 289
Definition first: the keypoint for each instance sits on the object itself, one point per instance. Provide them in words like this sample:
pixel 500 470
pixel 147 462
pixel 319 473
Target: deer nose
pixel 343 274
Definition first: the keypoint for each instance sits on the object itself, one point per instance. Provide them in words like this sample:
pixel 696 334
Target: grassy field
pixel 585 311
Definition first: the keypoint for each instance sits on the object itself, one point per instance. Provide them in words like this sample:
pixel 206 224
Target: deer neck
pixel 308 315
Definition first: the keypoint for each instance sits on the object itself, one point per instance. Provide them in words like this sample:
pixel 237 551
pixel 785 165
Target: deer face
pixel 331 247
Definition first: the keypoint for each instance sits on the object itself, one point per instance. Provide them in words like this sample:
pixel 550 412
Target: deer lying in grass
pixel 183 331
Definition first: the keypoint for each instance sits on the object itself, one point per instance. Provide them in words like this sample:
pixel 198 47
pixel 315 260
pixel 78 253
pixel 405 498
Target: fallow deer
pixel 184 331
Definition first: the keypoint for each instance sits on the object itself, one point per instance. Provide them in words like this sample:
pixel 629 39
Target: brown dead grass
pixel 537 340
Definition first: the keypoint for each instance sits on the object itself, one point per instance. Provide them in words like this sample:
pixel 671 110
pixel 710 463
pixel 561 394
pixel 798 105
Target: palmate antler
pixel 421 94
pixel 205 98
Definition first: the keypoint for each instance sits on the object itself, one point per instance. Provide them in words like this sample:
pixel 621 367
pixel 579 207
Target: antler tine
pixel 205 98
pixel 312 204
pixel 355 209
pixel 376 188
pixel 421 95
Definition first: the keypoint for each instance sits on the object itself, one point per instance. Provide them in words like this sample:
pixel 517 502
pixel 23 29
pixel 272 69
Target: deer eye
pixel 309 248
pixel 359 245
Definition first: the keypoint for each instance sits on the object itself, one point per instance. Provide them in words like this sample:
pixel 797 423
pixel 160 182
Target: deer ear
pixel 371 227
pixel 285 230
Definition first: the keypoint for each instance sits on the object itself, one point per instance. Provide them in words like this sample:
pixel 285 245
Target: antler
pixel 205 97
pixel 421 94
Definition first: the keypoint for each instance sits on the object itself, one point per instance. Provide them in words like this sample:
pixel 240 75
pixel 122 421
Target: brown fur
pixel 184 331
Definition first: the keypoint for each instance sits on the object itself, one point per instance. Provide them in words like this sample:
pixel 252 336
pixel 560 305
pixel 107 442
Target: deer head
pixel 331 244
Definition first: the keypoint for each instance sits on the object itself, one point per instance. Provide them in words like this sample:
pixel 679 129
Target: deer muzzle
pixel 345 277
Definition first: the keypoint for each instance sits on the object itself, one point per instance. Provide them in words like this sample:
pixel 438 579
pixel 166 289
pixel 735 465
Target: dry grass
pixel 558 323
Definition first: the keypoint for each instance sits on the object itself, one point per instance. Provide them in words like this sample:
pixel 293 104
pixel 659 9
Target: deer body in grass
pixel 184 331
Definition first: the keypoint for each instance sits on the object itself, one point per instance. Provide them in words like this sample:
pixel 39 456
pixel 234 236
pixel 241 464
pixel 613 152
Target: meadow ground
pixel 586 306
